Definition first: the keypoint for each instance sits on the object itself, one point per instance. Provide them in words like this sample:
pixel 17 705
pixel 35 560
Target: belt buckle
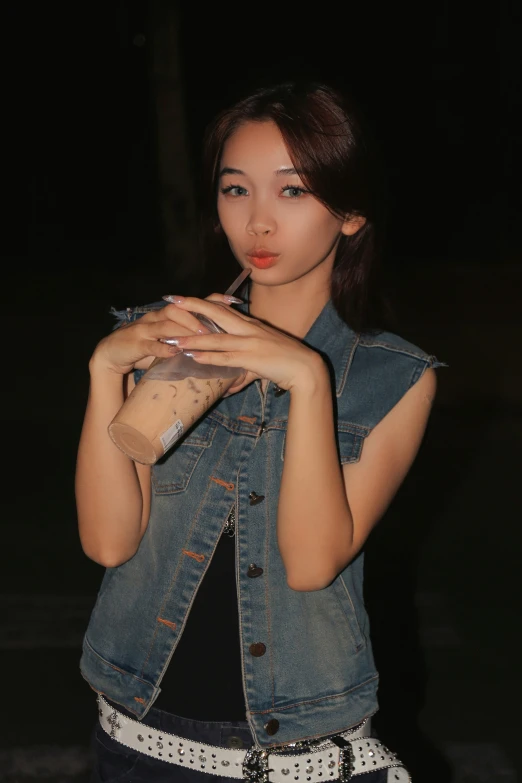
pixel 346 758
pixel 255 766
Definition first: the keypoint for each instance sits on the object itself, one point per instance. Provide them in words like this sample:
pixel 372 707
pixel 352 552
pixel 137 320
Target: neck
pixel 292 307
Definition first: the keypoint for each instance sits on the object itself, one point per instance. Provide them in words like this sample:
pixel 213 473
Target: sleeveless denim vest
pixel 313 674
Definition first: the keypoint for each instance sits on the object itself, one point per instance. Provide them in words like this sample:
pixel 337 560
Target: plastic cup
pixel 172 395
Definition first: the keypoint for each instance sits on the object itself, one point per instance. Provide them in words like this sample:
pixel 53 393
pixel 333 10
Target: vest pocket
pixel 172 473
pixel 348 607
pixel 350 442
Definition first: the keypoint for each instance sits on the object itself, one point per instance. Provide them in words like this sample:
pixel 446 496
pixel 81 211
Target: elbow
pixel 308 582
pixel 109 562
pixel 306 579
pixel 108 558
pixel 109 548
pixel 305 585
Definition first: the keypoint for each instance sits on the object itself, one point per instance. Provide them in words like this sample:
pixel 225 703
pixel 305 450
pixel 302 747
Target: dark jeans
pixel 115 763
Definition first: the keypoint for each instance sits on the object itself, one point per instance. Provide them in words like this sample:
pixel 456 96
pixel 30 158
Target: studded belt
pixel 340 757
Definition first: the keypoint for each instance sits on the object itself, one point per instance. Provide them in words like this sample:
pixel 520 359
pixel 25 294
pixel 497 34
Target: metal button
pixel 263 427
pixel 257 649
pixel 255 498
pixel 254 571
pixel 278 391
pixel 272 727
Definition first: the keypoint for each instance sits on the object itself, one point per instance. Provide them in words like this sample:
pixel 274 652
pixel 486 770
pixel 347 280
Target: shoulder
pixel 387 354
pixel 383 367
pixel 375 342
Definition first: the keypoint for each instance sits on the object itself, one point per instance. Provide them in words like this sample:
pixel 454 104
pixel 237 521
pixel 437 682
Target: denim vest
pixel 313 674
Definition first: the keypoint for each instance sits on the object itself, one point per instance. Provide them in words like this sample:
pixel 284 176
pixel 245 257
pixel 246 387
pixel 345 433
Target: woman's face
pixel 273 226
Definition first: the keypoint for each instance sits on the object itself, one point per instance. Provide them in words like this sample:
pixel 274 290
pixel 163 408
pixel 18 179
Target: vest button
pixel 278 391
pixel 272 727
pixel 255 498
pixel 254 570
pixel 257 649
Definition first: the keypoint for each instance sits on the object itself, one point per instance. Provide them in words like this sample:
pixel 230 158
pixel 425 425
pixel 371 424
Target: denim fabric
pixel 112 762
pixel 317 676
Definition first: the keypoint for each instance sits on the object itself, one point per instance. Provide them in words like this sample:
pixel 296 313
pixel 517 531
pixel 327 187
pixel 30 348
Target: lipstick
pixel 262 258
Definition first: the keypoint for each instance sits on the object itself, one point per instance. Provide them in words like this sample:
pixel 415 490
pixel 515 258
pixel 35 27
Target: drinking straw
pixel 237 282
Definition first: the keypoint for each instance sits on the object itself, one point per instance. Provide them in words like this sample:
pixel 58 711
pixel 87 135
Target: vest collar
pixel 335 341
pixel 330 336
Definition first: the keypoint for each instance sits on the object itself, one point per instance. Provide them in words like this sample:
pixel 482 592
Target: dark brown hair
pixel 324 136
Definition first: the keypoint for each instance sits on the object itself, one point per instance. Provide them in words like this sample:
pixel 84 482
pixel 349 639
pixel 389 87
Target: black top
pixel 203 680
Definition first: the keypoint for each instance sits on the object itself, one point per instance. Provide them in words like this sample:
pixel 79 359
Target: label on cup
pixel 171 435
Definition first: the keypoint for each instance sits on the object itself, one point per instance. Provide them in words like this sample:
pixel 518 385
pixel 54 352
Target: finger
pixel 168 331
pixel 230 320
pixel 249 378
pixel 223 299
pixel 218 358
pixel 162 352
pixel 175 324
pixel 173 313
pixel 218 342
pixel 158 349
pixel 152 315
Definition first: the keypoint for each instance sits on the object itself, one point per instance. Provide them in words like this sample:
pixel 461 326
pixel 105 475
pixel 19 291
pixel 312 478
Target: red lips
pixel 261 252
pixel 262 258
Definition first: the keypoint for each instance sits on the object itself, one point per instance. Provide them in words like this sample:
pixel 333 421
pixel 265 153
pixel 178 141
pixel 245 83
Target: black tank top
pixel 203 680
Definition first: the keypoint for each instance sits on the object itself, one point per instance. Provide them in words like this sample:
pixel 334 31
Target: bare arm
pixel 327 512
pixel 112 492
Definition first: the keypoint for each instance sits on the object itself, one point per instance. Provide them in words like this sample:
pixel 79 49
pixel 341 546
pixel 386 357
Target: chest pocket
pixel 172 473
pixel 350 439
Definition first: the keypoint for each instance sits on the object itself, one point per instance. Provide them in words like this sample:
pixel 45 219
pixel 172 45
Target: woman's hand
pixel 261 350
pixel 134 346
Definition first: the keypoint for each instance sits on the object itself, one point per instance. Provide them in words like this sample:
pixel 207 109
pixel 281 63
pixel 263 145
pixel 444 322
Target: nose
pixel 260 221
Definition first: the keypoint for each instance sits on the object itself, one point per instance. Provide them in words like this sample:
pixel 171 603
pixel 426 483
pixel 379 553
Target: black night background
pixel 104 110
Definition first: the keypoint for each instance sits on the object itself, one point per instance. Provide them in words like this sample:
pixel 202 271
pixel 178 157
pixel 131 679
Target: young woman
pixel 229 637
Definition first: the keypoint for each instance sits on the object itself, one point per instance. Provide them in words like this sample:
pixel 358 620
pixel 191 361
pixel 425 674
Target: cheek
pixel 316 228
pixel 229 219
pixel 221 211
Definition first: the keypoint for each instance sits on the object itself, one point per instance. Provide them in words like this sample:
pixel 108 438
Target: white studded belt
pixel 341 758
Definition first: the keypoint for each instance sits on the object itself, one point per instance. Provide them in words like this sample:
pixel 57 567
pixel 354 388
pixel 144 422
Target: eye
pixel 293 191
pixel 234 190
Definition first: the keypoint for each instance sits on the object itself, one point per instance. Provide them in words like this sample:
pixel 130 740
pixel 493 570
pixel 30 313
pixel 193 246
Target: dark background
pixel 440 83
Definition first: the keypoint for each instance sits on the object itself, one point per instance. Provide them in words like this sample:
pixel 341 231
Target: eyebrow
pixel 228 170
pixel 285 172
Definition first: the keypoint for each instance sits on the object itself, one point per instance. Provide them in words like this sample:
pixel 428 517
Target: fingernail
pixel 171 341
pixel 189 354
pixel 173 299
pixel 232 299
